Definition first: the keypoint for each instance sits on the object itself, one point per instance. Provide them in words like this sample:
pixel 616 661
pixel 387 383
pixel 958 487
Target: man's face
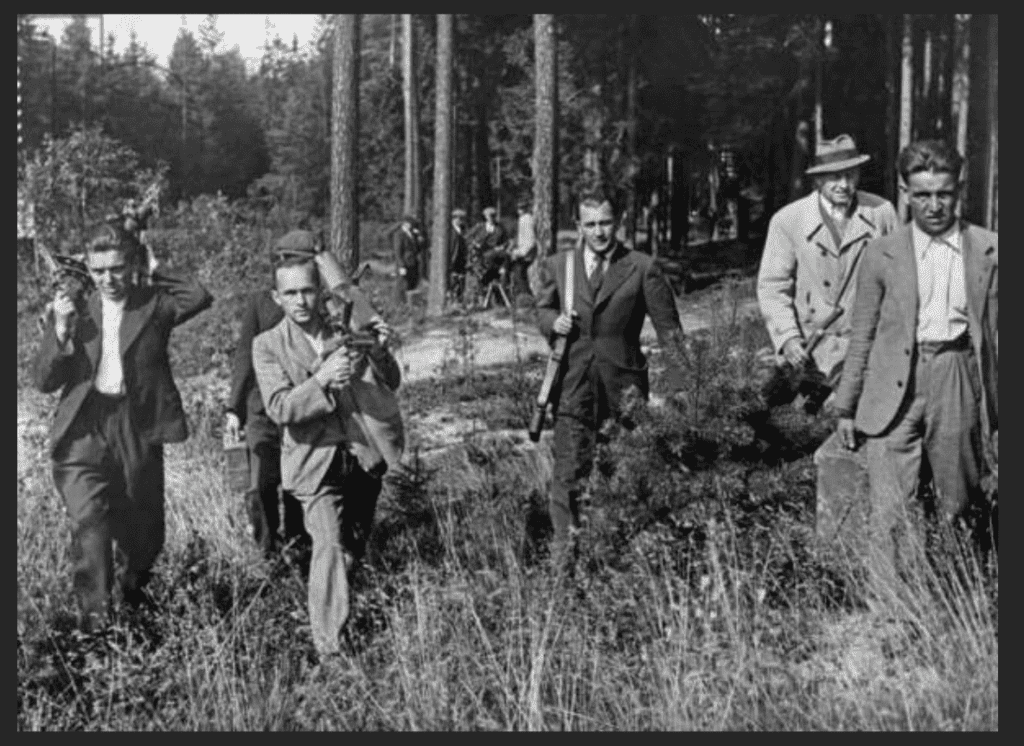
pixel 297 292
pixel 489 218
pixel 932 196
pixel 839 187
pixel 597 226
pixel 111 272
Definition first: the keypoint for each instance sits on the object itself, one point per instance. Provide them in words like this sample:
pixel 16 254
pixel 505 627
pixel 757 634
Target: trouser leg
pixel 573 446
pixel 88 480
pixel 952 434
pixel 262 497
pixel 338 518
pixel 894 463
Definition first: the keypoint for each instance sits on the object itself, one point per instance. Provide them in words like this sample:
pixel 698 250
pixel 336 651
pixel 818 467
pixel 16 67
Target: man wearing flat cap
pixel 245 410
pixel 811 254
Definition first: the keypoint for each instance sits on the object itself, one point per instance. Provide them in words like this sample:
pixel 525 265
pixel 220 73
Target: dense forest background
pixel 685 106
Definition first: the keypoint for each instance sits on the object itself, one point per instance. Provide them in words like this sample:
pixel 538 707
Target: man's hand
pixel 563 324
pixel 336 370
pixel 64 317
pixel 232 428
pixel 847 433
pixel 384 333
pixel 794 353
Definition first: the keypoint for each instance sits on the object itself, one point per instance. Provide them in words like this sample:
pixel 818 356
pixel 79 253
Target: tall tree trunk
pixel 906 98
pixel 545 141
pixel 345 142
pixel 891 105
pixel 992 86
pixel 631 158
pixel 819 75
pixel 961 79
pixel 393 22
pixel 926 121
pixel 412 203
pixel 442 168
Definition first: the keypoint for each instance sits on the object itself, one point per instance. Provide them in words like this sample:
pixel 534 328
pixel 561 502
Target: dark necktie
pixel 597 273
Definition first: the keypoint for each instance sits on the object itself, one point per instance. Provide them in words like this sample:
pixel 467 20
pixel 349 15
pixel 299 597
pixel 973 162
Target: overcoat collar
pixel 860 225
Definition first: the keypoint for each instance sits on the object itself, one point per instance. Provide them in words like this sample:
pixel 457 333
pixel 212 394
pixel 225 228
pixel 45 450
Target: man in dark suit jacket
pixel 457 254
pixel 920 375
pixel 408 247
pixel 262 436
pixel 118 406
pixel 613 289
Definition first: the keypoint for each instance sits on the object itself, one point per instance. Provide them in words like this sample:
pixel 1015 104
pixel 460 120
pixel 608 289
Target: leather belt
pixel 963 342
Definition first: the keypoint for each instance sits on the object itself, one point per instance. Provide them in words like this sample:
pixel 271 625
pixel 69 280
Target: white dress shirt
pixel 110 374
pixel 942 300
pixel 590 261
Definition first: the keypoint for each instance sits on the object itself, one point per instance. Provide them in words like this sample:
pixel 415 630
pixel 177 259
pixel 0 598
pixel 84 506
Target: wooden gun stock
pixel 540 408
pixel 555 367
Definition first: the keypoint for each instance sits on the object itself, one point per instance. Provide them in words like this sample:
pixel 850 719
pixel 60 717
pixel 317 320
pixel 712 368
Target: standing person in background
pixel 920 379
pixel 118 407
pixel 422 249
pixel 458 254
pixel 407 251
pixel 811 255
pixel 525 250
pixel 265 498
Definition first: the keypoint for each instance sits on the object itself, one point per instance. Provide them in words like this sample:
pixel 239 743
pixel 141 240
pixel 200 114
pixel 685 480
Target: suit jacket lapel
pixel 299 348
pixel 92 345
pixel 905 273
pixel 583 294
pixel 137 311
pixel 616 273
pixel 978 268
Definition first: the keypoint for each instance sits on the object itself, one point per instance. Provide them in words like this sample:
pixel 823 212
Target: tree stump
pixel 843 500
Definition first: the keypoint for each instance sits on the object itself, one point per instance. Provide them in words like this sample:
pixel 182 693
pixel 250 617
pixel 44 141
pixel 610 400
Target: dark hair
pixel 111 238
pixel 936 156
pixel 281 261
pixel 595 196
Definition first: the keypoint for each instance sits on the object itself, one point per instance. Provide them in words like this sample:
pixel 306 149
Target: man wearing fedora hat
pixel 810 259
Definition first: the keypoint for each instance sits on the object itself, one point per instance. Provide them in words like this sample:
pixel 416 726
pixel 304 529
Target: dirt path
pixel 497 341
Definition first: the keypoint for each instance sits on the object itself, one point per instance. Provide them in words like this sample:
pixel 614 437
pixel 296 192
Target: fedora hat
pixel 837 155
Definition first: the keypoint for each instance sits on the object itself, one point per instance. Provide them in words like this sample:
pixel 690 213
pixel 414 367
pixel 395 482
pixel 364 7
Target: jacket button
pixel 899 384
pixel 827 284
pixel 824 253
pixel 907 352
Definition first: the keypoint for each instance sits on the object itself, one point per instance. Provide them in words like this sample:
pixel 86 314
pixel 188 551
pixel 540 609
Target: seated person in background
pixel 487 248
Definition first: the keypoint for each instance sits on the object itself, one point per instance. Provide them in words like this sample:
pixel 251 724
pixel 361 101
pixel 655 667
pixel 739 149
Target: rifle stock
pixel 555 368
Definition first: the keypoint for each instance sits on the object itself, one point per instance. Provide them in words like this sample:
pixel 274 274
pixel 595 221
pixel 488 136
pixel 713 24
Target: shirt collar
pixel 107 303
pixel 835 213
pixel 923 241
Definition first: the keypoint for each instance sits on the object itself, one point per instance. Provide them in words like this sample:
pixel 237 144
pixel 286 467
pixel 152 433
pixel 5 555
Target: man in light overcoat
pixel 811 255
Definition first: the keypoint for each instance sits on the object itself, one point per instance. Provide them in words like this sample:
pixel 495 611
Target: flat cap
pixel 296 243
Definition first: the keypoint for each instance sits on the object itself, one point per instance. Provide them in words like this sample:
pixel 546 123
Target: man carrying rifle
pixel 806 282
pixel 328 389
pixel 611 289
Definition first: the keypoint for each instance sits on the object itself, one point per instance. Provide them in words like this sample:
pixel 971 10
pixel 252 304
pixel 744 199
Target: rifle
pixel 788 381
pixel 554 370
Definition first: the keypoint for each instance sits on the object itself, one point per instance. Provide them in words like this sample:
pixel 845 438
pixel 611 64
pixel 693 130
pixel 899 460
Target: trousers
pixel 940 421
pixel 265 496
pixel 112 484
pixel 338 517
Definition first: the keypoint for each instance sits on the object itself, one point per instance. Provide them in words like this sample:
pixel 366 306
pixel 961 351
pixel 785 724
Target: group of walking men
pixel 913 358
